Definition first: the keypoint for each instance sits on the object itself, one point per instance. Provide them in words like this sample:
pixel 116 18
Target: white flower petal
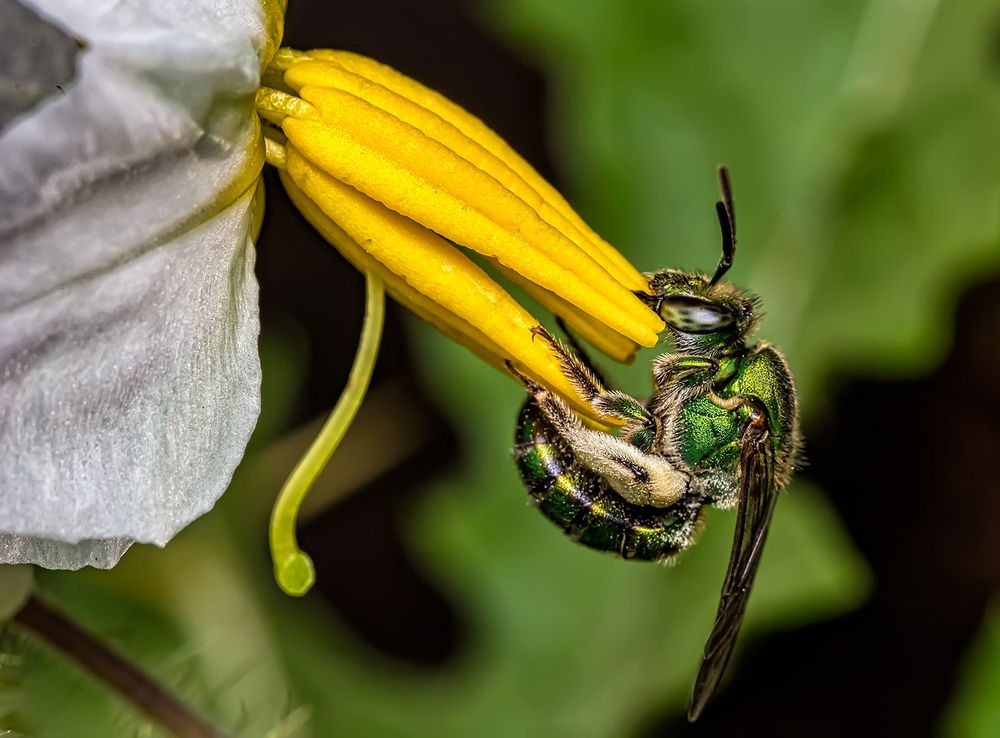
pixel 127 398
pixel 156 80
pixel 37 61
pixel 129 377
pixel 59 555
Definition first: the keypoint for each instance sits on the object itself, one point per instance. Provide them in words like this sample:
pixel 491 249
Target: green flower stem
pixel 131 683
pixel 293 568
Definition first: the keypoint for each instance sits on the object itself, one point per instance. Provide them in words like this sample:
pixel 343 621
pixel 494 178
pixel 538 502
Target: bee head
pixel 702 316
pixel 703 313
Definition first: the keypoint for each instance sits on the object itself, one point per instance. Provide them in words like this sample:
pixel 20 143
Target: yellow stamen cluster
pixel 393 174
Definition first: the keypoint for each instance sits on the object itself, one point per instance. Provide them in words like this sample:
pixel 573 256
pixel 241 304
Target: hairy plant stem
pixel 125 678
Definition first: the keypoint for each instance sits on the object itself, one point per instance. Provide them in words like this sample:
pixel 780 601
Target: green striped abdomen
pixel 586 507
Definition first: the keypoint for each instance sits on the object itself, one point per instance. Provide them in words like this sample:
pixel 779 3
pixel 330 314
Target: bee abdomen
pixel 586 507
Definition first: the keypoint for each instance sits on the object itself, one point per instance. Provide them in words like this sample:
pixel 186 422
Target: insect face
pixel 702 317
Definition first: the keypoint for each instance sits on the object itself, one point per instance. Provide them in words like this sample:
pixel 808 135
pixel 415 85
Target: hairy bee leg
pixel 579 351
pixel 639 477
pixel 641 428
pixel 612 403
pixel 691 370
pixel 581 376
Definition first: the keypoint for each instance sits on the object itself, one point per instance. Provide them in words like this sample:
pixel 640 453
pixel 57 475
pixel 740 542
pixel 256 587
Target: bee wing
pixel 757 495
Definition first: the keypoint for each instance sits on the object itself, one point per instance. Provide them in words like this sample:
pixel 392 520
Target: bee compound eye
pixel 694 315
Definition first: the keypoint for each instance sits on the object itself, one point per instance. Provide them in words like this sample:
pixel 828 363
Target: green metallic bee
pixel 721 429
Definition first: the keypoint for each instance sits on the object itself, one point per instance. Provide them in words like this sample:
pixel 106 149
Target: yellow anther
pixel 275 106
pixel 451 284
pixel 607 342
pixel 274 151
pixel 329 74
pixel 482 134
pixel 393 162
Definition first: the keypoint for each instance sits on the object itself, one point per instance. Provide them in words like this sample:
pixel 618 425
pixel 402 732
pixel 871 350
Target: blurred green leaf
pixel 15 586
pixel 976 710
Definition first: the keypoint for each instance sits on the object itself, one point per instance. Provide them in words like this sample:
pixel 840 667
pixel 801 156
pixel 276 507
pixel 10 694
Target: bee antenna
pixel 726 213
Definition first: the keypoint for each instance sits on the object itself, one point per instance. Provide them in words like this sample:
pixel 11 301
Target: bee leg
pixel 529 384
pixel 639 477
pixel 611 403
pixel 579 351
pixel 691 371
pixel 736 402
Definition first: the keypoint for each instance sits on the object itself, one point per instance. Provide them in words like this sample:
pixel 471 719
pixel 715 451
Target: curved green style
pixel 293 568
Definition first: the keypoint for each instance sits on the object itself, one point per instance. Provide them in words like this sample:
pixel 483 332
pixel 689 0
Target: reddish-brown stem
pixel 131 683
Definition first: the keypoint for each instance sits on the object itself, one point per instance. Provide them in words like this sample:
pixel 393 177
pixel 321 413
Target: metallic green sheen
pixel 764 375
pixel 704 428
pixel 586 508
pixel 710 435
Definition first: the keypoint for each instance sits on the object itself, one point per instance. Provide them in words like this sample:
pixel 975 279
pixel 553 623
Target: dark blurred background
pixel 862 140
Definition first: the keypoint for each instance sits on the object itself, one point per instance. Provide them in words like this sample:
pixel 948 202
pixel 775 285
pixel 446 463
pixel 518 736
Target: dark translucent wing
pixel 757 495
